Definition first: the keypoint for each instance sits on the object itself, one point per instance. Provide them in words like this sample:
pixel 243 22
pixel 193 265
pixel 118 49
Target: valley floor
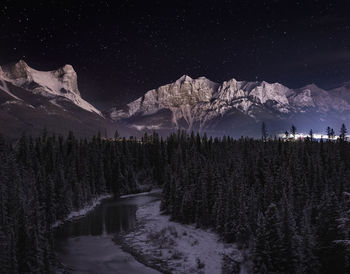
pixel 171 247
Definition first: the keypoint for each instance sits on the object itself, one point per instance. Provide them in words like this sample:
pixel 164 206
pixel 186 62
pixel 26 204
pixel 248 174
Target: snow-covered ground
pixel 82 212
pixel 153 191
pixel 174 247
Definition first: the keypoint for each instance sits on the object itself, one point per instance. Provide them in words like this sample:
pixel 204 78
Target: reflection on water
pixel 86 244
pixel 106 219
pixel 112 216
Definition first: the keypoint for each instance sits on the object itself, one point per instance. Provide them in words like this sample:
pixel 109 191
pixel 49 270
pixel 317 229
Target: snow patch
pixel 143 127
pixel 201 102
pixel 3 87
pixel 140 194
pixel 183 248
pixel 18 103
pixel 60 82
pixel 54 102
pixel 82 212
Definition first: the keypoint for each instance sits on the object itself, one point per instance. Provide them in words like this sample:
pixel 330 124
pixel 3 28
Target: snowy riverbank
pixel 171 247
pixel 153 191
pixel 94 203
pixel 82 212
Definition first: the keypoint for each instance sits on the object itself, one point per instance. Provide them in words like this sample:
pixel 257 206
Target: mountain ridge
pixel 31 100
pixel 60 82
pixel 199 104
pixel 232 107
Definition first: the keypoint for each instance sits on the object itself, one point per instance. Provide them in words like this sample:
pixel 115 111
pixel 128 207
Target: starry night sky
pixel 120 49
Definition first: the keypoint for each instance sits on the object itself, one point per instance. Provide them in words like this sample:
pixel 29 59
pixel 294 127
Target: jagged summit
pixel 17 70
pixel 189 79
pixel 184 78
pixel 62 82
pixel 200 104
pixel 69 77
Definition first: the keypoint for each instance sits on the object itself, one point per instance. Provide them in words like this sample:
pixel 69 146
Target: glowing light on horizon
pixel 304 135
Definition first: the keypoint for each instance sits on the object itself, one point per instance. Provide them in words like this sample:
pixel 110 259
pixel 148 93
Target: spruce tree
pixel 343 131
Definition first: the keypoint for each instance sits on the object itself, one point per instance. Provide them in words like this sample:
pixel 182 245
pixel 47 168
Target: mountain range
pixel 236 108
pixel 31 100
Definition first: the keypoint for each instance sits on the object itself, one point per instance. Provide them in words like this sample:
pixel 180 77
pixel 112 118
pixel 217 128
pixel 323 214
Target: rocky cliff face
pixel 200 104
pixel 31 100
pixel 56 84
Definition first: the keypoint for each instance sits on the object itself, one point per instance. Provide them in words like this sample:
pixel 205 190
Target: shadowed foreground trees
pixel 281 201
pixel 42 180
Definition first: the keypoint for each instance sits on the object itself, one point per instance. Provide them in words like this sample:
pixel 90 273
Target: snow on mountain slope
pixel 181 98
pixel 195 99
pixel 323 100
pixel 58 83
pixel 200 103
pixel 259 92
pixel 200 100
pixel 3 87
pixel 343 91
pixel 184 92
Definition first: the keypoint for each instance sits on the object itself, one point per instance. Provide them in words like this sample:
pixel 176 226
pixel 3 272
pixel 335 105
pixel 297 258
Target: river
pixel 86 245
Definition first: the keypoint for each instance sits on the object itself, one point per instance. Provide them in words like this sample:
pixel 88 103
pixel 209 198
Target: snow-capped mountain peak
pixel 203 96
pixel 184 78
pixel 60 83
pixel 200 104
pixel 260 92
pixel 68 77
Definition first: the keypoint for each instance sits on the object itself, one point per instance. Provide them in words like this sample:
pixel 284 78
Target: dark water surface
pixel 86 245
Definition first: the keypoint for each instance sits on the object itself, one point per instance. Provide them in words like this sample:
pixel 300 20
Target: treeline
pixel 43 179
pixel 281 201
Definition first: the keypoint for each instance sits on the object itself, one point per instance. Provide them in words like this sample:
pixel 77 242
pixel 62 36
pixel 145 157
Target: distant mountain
pixel 31 100
pixel 235 107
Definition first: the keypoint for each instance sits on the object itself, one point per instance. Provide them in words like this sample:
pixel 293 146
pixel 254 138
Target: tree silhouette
pixel 264 133
pixel 293 130
pixel 343 132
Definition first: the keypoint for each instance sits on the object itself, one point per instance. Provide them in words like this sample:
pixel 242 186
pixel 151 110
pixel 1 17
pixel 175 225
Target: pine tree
pixel 311 135
pixel 344 223
pixel 274 249
pixel 332 257
pixel 264 132
pixel 329 132
pixel 332 134
pixel 343 131
pixel 293 130
pixel 286 134
pixel 309 262
pixel 116 135
pixel 290 239
pixel 260 256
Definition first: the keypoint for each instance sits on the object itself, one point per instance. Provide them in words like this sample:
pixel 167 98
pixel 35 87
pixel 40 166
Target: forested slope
pixel 42 180
pixel 282 202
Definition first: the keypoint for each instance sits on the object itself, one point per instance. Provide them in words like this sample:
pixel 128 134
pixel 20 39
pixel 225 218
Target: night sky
pixel 120 49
